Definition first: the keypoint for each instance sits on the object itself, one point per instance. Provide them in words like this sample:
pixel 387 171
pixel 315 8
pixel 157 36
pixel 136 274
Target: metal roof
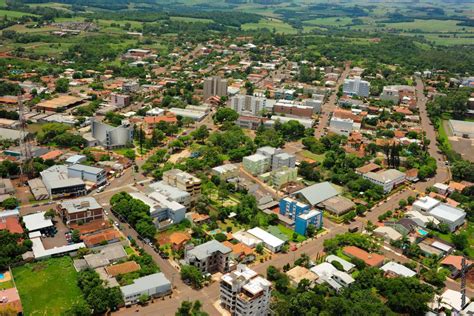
pixel 447 212
pixel 205 250
pixel 318 193
pixel 145 283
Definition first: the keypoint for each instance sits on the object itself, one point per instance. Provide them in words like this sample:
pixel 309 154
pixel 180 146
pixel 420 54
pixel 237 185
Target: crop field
pixel 270 24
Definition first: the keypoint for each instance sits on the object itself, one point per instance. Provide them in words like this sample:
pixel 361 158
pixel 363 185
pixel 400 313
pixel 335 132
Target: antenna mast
pixel 26 163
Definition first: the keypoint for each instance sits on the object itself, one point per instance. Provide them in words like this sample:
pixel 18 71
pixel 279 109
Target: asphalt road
pixel 313 247
pixel 331 104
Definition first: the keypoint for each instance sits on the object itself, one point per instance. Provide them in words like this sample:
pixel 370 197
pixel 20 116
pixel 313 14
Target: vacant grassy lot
pixel 189 20
pixel 315 157
pixel 429 26
pixel 270 24
pixel 47 287
pixel 333 21
pixel 12 14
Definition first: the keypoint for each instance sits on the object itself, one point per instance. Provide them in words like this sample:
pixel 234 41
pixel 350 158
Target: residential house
pixel 454 264
pixel 370 259
pixel 393 269
pixel 299 273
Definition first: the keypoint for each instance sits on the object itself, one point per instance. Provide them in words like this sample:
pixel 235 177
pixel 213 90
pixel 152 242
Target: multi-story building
pixel 256 164
pixel 209 257
pixel 184 181
pixel 59 184
pixel 110 136
pixel 356 87
pixel 227 171
pixel 282 159
pixel 341 126
pixel 130 86
pixel 313 217
pixel 293 109
pixel 283 175
pixel 163 211
pixel 247 104
pixel 119 100
pixel 388 179
pixel 314 103
pixel 98 176
pixel 244 292
pixel 292 208
pixel 214 86
pixel 287 94
pixel 81 210
pixel 172 193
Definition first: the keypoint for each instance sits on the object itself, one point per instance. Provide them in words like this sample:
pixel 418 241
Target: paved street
pixel 313 247
pixel 330 105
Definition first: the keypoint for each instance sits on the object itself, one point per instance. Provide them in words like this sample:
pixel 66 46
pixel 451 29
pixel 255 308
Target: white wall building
pixel 111 137
pixel 388 179
pixel 247 104
pixel 244 292
pixel 271 242
pixel 356 87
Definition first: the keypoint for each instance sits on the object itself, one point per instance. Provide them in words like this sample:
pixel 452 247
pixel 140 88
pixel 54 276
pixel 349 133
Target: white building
pixel 356 87
pixel 244 292
pixel 425 204
pixel 247 104
pixel 397 269
pixel 271 242
pixel 226 171
pixel 452 216
pixel 153 285
pixel 388 179
pixel 315 104
pixel 341 126
pixel 98 176
pixel 209 257
pixel 111 137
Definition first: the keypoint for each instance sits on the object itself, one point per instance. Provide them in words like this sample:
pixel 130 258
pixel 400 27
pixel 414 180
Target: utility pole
pixel 463 282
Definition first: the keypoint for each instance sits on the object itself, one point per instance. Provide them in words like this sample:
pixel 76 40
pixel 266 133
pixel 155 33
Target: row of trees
pixel 135 212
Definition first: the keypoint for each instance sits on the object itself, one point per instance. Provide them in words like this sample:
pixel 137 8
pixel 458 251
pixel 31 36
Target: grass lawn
pixel 270 24
pixel 6 285
pixel 289 233
pixel 315 157
pixel 341 255
pixel 47 287
pixel 332 21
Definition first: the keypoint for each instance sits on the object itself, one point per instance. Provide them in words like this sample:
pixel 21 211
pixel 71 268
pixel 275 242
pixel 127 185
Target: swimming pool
pixel 422 232
pixel 2 276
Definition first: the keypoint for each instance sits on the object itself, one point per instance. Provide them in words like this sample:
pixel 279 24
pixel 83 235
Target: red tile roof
pixel 455 261
pixel 52 155
pixel 157 119
pixel 108 235
pixel 12 225
pixel 371 259
pixel 12 299
pixel 122 268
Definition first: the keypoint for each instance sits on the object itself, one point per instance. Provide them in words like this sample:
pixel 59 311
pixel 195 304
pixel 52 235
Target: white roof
pixel 256 157
pixel 145 199
pixel 36 221
pixel 309 215
pixel 324 270
pixel 346 277
pixel 452 298
pixel 415 215
pixel 398 269
pixel 346 265
pixel 247 239
pixel 266 237
pixel 426 203
pixel 441 186
pixel 257 285
pixel 441 246
pixel 39 251
pixel 447 212
pixel 388 231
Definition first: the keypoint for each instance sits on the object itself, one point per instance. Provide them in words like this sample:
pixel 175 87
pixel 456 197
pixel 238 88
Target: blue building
pixel 302 221
pixel 292 208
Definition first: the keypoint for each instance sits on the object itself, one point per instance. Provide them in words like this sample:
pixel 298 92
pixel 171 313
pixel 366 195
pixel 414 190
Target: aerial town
pixel 218 170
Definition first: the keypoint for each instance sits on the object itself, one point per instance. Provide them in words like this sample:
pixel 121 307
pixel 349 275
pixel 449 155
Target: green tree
pixel 188 308
pixel 10 203
pixel 225 115
pixel 259 249
pixel 193 275
pixel 62 85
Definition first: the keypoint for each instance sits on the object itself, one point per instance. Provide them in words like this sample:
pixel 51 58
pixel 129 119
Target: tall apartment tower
pixel 244 292
pixel 357 87
pixel 247 105
pixel 184 181
pixel 214 86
